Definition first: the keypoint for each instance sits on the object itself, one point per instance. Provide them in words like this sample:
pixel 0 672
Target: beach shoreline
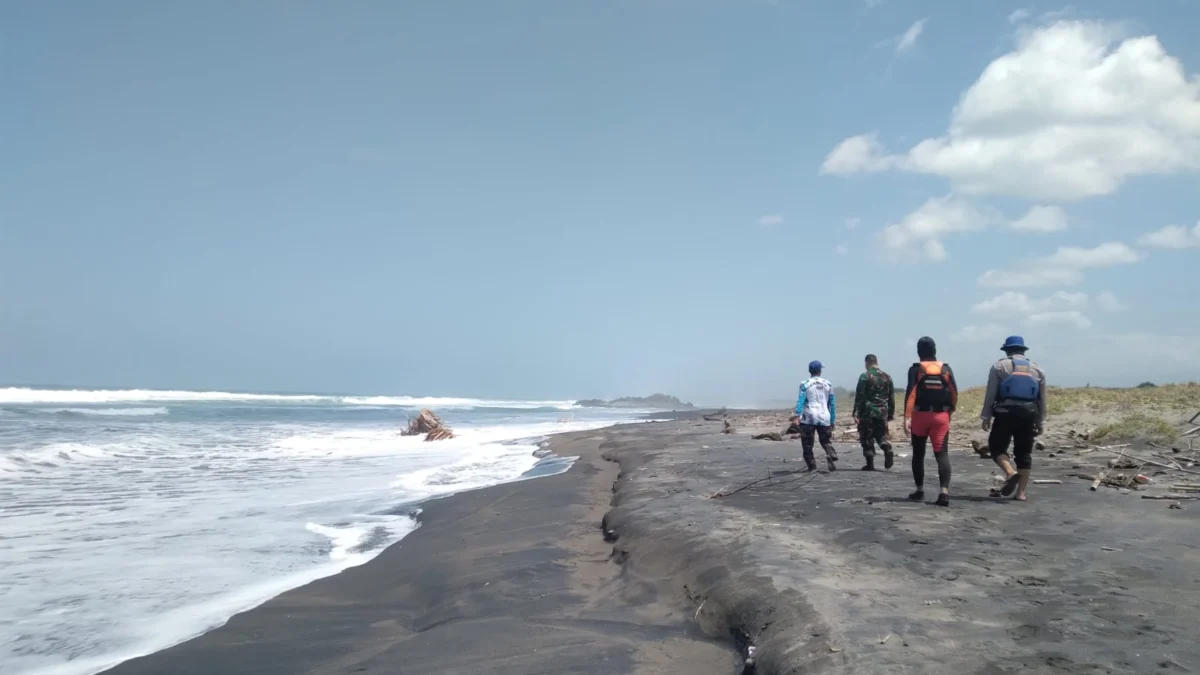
pixel 626 563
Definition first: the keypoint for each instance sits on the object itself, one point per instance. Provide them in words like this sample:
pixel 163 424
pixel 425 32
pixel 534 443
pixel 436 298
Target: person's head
pixel 1014 344
pixel 871 361
pixel 814 368
pixel 926 349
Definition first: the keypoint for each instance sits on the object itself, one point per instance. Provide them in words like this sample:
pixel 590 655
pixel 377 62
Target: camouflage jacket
pixel 875 396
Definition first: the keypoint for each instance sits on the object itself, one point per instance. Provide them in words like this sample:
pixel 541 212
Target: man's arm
pixel 910 392
pixel 989 398
pixel 953 388
pixel 891 395
pixel 860 396
pixel 1041 396
pixel 802 399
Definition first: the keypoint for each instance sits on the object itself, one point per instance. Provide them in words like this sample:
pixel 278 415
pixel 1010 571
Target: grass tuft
pixel 1137 426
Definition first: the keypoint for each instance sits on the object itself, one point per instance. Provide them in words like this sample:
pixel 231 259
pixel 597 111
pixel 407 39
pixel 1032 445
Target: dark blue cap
pixel 1014 342
pixel 814 365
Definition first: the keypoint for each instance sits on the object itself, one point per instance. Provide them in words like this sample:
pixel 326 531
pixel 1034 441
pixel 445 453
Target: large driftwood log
pixel 429 424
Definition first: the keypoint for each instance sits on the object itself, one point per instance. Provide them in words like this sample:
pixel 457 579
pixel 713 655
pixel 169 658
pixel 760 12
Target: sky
pixel 545 199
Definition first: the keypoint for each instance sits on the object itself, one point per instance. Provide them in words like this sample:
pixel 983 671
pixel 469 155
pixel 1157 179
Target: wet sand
pixel 510 580
pixel 820 573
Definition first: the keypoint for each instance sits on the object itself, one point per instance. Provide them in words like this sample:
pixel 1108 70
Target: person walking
pixel 1014 410
pixel 874 407
pixel 816 414
pixel 929 400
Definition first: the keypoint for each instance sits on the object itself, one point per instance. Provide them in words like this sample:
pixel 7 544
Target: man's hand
pixel 1037 429
pixel 987 424
pixel 855 418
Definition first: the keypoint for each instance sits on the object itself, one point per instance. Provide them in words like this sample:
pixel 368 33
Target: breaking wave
pixel 27 396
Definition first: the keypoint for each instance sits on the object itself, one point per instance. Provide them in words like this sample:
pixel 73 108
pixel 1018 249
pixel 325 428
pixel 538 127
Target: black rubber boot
pixel 812 466
pixel 917 496
pixel 889 459
pixel 943 500
pixel 870 464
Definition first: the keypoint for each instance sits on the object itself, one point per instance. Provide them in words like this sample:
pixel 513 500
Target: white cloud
pixel 1030 278
pixel 857 154
pixel 984 333
pixel 1108 302
pixel 841 249
pixel 1064 267
pixel 1072 112
pixel 1041 219
pixel 1019 15
pixel 1105 255
pixel 1067 318
pixel 771 220
pixel 852 223
pixel 909 39
pixel 872 4
pixel 1013 304
pixel 931 222
pixel 1173 236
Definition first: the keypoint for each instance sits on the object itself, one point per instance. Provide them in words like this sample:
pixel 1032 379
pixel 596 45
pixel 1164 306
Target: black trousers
pixel 872 430
pixel 1017 430
pixel 807 431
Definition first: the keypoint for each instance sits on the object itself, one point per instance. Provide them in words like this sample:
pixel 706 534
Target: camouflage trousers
pixel 870 431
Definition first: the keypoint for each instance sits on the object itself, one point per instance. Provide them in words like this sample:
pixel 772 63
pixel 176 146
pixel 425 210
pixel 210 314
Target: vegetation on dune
pixel 1164 398
pixel 1137 426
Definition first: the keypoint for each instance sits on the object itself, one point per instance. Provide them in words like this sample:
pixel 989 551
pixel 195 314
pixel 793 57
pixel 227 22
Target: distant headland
pixel 652 402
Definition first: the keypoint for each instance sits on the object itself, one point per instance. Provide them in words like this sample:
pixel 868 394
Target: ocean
pixel 131 520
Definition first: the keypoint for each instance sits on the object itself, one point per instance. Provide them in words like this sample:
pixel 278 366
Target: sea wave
pixel 106 412
pixel 28 396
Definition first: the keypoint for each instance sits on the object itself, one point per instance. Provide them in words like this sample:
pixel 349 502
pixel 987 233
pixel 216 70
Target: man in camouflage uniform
pixel 874 407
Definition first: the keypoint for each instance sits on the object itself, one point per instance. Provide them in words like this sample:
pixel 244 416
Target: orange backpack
pixel 933 386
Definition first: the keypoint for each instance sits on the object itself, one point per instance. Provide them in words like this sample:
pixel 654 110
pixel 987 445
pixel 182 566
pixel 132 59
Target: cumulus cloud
pixel 1019 15
pixel 770 220
pixel 925 229
pixel 930 223
pixel 1072 112
pixel 985 333
pixel 909 39
pixel 1064 267
pixel 857 154
pixel 841 249
pixel 1173 236
pixel 1041 219
pixel 1013 304
pixel 1108 302
pixel 1068 318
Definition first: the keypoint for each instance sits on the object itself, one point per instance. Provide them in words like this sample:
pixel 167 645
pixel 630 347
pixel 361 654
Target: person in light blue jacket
pixel 816 413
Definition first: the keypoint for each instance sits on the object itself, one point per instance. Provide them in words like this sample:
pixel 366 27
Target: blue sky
pixel 548 199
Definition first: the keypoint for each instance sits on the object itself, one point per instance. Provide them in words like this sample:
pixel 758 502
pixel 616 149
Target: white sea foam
pixel 168 526
pixel 106 412
pixel 26 396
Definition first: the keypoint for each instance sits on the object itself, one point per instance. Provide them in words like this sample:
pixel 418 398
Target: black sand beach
pixel 833 573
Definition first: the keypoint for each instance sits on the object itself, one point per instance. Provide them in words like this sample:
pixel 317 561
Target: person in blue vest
pixel 1014 410
pixel 816 415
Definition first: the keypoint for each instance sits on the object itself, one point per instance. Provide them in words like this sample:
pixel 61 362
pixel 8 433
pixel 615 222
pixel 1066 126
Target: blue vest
pixel 1022 384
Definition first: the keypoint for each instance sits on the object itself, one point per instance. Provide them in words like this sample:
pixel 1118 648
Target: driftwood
pixel 771 436
pixel 1174 498
pixel 429 424
pixel 1047 481
pixel 1099 479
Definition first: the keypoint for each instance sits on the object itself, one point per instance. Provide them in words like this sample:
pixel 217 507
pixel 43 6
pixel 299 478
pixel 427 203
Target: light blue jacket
pixel 816 404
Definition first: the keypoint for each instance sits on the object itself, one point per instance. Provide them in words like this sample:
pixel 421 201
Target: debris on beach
pixel 770 436
pixel 429 424
pixel 728 427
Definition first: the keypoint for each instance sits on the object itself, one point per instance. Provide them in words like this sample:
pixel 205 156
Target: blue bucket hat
pixel 814 365
pixel 1014 342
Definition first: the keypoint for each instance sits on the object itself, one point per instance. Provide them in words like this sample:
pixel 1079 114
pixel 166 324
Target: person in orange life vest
pixel 929 399
pixel 1016 401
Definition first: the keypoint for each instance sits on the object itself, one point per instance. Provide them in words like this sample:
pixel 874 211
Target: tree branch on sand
pixel 429 424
